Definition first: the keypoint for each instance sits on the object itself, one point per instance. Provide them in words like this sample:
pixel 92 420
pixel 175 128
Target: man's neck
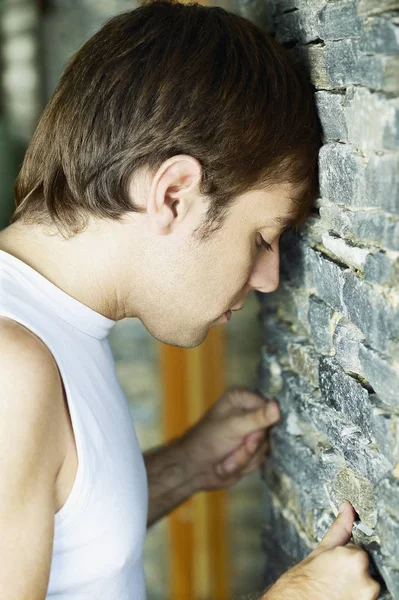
pixel 72 265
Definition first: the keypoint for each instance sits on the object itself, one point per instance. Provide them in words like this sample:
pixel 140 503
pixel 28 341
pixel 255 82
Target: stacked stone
pixel 331 352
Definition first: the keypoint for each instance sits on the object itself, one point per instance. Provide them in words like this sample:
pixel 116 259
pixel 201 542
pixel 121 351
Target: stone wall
pixel 331 330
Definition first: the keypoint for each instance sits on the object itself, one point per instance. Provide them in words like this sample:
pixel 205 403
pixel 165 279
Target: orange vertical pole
pixel 215 384
pixel 192 380
pixel 175 419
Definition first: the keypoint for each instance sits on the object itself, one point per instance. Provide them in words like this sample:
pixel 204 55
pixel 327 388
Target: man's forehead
pixel 288 202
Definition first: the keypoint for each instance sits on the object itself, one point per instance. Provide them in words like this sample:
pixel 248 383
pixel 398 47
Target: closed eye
pixel 266 244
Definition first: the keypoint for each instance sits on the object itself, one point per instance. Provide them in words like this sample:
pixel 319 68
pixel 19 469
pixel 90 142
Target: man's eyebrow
pixel 283 221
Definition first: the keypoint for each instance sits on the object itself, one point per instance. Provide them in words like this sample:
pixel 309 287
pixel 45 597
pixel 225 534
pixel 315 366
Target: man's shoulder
pixel 22 348
pixel 31 387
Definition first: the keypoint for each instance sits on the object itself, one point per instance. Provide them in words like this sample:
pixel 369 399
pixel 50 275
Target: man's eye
pixel 265 244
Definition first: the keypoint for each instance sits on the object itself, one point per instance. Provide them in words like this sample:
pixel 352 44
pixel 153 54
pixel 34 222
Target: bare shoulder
pixel 30 458
pixel 31 389
pixel 14 337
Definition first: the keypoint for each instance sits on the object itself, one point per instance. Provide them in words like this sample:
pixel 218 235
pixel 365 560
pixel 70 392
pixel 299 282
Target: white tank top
pixel 99 533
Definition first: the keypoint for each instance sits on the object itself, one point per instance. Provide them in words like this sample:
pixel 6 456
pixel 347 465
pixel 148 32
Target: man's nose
pixel 265 276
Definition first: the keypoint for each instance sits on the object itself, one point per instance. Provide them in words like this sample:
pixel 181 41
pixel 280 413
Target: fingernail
pixel 342 507
pixel 230 465
pixel 273 411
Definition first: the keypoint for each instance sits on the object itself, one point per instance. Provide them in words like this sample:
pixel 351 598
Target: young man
pixel 178 145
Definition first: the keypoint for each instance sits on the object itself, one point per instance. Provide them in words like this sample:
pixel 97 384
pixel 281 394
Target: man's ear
pixel 173 189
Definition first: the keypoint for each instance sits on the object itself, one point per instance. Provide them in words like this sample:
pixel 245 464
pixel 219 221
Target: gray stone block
pixel 344 394
pixel 388 529
pixel 381 268
pixel 380 36
pixel 369 311
pixel 329 437
pixel 390 575
pixel 359 451
pixel 306 417
pixel 320 315
pixel 341 173
pixel 385 429
pixel 337 65
pixel 372 120
pixel 379 72
pixel 347 339
pixel 340 59
pixel 382 375
pixel 337 20
pixel 296 392
pixel 362 226
pixel 387 493
pixel 327 434
pixel 390 233
pixel 328 279
pixel 331 115
pixel 381 187
pixel 307 502
pixel 303 465
pixel 298 26
pixel 345 176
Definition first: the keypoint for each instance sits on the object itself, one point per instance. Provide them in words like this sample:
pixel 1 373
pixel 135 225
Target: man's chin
pixel 187 340
pixel 195 340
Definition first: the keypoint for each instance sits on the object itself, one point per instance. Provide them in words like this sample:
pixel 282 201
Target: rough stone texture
pixel 331 351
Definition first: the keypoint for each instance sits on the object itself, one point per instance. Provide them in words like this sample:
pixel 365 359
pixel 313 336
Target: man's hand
pixel 335 570
pixel 231 439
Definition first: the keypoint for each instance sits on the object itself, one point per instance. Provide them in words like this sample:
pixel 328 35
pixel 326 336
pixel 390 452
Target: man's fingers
pixel 266 416
pixel 258 459
pixel 339 533
pixel 243 459
pixel 244 399
pixel 236 461
pixel 253 440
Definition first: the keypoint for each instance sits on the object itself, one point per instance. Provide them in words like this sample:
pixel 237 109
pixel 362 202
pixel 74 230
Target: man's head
pixel 180 283
pixel 193 128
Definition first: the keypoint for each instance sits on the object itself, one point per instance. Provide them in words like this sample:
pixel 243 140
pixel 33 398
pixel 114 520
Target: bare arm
pixel 29 463
pixel 170 481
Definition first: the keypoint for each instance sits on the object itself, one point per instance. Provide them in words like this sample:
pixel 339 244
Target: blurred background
pixel 209 548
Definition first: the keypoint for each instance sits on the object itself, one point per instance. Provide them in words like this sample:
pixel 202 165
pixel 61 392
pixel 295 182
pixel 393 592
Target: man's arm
pixel 170 480
pixel 30 458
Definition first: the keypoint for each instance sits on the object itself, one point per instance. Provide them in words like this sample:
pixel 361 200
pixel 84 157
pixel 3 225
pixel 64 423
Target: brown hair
pixel 163 79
